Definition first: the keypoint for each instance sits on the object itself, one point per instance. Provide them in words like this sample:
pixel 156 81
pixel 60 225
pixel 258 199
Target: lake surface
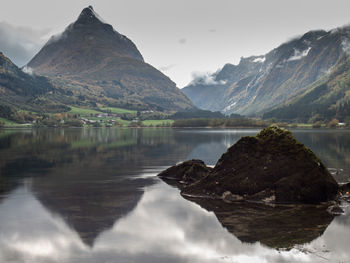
pixel 92 195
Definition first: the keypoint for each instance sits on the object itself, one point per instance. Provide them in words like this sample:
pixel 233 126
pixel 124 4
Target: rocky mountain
pixel 260 83
pixel 325 99
pixel 99 64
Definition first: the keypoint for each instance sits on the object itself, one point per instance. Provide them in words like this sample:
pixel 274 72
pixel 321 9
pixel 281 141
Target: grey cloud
pixel 182 41
pixel 205 78
pixel 213 30
pixel 20 43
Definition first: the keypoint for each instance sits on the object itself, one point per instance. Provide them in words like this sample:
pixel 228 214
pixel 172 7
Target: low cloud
pixel 299 54
pixel 205 78
pixel 27 70
pixel 213 30
pixel 346 45
pixel 20 44
pixel 166 68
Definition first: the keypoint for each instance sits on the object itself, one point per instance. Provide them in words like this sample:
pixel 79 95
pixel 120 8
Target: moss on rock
pixel 185 173
pixel 270 166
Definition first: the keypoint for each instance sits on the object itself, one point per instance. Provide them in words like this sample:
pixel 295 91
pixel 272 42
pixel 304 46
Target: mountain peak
pixel 88 15
pixel 90 53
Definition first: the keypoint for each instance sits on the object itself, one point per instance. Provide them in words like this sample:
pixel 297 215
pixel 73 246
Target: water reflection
pixel 163 227
pixel 273 226
pixel 91 195
pixel 332 146
pixel 89 177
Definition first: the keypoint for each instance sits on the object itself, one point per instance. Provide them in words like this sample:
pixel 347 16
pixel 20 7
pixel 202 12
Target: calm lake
pixel 92 195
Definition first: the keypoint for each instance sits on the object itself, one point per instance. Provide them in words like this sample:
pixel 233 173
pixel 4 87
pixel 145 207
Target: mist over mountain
pixel 94 60
pixel 260 83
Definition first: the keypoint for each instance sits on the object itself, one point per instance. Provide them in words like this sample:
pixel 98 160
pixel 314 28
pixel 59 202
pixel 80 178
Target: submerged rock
pixel 270 167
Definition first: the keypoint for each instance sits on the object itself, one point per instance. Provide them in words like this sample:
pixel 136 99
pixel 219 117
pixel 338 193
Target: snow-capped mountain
pixel 259 83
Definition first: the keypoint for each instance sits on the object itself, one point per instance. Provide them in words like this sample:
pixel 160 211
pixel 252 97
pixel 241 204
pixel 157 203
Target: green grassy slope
pixel 324 99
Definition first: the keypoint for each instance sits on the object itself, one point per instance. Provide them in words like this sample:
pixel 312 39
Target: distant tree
pixel 74 123
pixel 347 121
pixel 5 112
pixel 317 124
pixel 197 113
pixel 96 124
pixel 202 122
pixel 333 123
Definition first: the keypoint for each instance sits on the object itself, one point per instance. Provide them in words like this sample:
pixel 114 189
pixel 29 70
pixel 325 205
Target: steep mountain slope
pixel 257 84
pixel 101 63
pixel 322 100
pixel 211 94
pixel 14 81
pixel 19 90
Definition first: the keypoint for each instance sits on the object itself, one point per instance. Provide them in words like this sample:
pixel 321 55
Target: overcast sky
pixel 182 37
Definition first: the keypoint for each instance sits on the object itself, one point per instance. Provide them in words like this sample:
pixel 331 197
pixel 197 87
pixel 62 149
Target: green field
pixel 9 123
pixel 124 122
pixel 118 110
pixel 304 125
pixel 83 111
pixel 156 122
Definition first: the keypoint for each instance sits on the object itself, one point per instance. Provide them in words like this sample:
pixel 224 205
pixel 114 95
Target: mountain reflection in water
pixel 91 195
pixel 163 227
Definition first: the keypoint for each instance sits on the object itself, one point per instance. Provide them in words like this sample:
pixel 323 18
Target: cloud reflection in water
pixel 163 227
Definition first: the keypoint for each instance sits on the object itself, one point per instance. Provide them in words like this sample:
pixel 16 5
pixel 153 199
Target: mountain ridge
pixel 259 83
pixel 107 66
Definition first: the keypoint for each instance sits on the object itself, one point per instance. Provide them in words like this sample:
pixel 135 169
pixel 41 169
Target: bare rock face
pixel 271 167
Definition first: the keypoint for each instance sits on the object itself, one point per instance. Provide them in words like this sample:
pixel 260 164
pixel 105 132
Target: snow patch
pixel 229 107
pixel 259 60
pixel 28 70
pixel 299 54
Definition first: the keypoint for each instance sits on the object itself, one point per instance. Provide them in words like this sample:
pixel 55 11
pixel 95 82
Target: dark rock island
pixel 186 173
pixel 272 167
